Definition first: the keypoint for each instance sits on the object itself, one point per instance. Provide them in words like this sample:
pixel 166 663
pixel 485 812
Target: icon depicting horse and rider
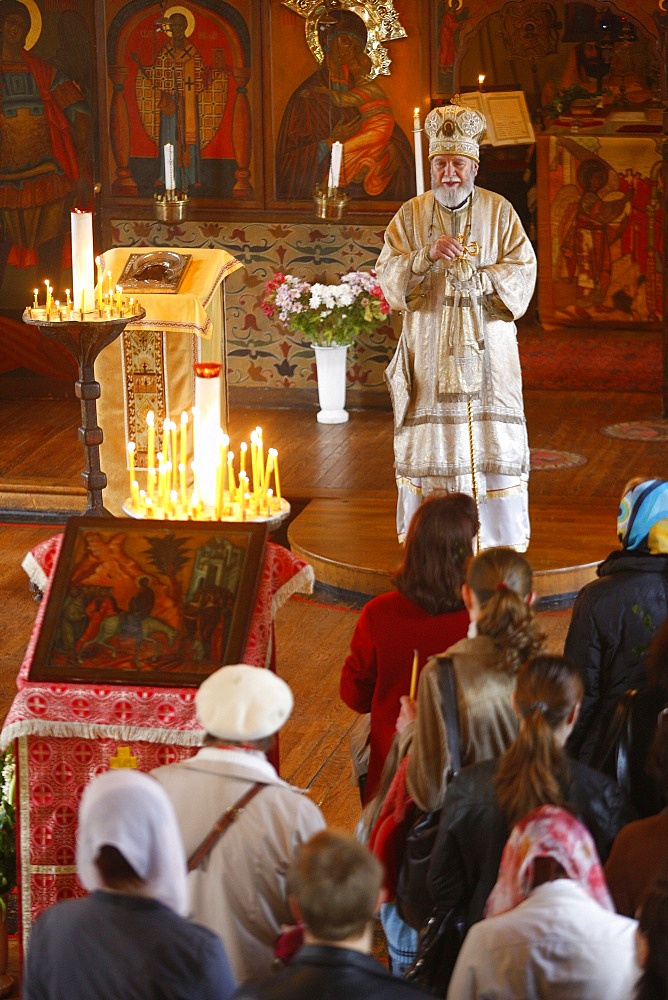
pixel 152 608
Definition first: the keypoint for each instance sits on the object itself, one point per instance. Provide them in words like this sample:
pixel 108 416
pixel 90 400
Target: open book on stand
pixel 507 114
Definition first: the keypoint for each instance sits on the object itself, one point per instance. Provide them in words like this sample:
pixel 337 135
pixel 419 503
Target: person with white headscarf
pixel 550 929
pixel 128 938
pixel 238 882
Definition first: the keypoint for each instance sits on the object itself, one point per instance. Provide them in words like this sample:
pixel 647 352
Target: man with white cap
pixel 459 266
pixel 129 937
pixel 237 882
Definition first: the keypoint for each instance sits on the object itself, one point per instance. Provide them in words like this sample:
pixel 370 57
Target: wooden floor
pixel 41 458
pixel 337 468
pixel 347 531
pixel 352 543
pixel 40 463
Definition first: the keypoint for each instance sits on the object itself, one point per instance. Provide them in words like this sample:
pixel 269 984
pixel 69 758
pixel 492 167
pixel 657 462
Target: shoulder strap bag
pixel 413 901
pixel 613 750
pixel 202 852
pixel 441 934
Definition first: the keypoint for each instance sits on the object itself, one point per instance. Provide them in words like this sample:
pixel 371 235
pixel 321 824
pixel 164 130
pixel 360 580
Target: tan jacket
pixel 240 891
pixel 487 722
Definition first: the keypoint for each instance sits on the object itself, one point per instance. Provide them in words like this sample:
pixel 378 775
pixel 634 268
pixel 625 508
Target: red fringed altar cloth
pixel 65 734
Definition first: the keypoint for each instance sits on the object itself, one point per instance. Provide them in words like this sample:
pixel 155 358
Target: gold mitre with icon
pixel 455 129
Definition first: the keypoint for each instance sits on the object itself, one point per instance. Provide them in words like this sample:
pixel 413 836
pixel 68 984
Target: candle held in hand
pixel 414 675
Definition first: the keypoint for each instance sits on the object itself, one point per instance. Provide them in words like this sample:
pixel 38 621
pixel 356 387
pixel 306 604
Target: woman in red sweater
pixel 425 613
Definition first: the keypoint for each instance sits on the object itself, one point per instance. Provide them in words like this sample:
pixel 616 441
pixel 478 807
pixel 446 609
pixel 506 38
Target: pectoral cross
pixel 472 249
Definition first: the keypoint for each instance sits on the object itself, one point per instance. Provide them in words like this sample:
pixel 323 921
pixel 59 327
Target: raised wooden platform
pixel 352 544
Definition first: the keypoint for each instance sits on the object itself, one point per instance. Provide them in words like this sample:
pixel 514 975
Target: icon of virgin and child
pixel 342 101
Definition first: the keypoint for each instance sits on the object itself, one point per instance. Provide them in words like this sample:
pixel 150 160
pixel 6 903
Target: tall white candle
pixel 207 430
pixel 170 180
pixel 83 260
pixel 335 164
pixel 417 139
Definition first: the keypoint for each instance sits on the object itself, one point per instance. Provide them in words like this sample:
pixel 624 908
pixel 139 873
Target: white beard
pixel 453 197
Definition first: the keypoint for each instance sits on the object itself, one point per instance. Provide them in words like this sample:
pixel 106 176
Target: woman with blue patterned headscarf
pixel 643 503
pixel 615 616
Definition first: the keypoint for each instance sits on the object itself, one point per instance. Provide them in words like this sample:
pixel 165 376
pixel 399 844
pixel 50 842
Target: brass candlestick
pixel 330 203
pixel 84 339
pixel 171 206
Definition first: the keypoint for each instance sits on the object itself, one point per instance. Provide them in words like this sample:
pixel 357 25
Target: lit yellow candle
pixel 34 305
pixel 83 303
pixel 134 494
pixel 260 459
pixel 195 416
pixel 174 452
pixel 48 295
pixel 119 296
pixel 150 453
pixel 243 448
pixel 150 448
pixel 414 675
pixel 243 485
pixel 253 438
pixel 277 481
pixel 230 474
pixel 182 485
pixel 267 471
pixel 100 279
pixel 131 465
pixel 221 459
pixel 110 284
pixel 167 502
pixel 221 470
pixel 184 438
pixel 161 479
pixel 196 494
pixel 165 437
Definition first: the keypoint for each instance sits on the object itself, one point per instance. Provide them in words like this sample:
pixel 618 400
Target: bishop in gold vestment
pixel 455 378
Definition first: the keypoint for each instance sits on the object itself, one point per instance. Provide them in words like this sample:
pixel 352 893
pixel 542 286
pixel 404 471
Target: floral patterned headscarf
pixel 641 506
pixel 547 832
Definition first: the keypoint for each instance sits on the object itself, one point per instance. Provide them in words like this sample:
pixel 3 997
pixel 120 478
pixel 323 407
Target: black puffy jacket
pixel 614 619
pixel 473 832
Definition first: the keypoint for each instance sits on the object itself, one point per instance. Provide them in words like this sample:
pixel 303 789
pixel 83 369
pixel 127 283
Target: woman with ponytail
pixel 486 800
pixel 503 634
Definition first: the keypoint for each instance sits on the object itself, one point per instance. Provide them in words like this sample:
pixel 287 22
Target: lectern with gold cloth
pixel 150 367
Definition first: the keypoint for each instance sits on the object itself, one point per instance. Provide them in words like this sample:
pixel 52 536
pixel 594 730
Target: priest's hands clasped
pixel 446 248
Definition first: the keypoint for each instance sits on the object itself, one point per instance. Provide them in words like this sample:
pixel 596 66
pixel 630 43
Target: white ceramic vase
pixel 331 367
